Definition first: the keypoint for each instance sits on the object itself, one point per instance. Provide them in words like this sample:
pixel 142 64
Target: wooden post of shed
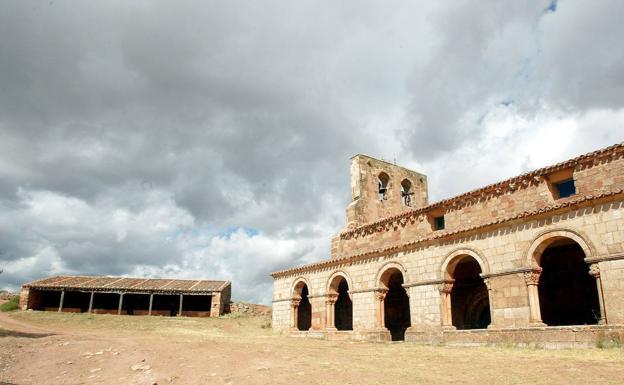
pixel 121 295
pixel 61 301
pixel 181 300
pixel 91 302
pixel 149 312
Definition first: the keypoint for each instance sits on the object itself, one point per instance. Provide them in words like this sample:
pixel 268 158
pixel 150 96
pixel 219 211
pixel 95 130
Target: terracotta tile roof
pixel 125 283
pixel 209 285
pixel 99 283
pixel 151 284
pixel 182 285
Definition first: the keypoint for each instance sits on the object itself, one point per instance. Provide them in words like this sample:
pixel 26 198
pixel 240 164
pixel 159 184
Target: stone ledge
pixel 548 337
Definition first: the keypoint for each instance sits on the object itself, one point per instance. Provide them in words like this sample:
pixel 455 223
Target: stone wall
pixel 249 308
pixel 367 205
pixel 502 250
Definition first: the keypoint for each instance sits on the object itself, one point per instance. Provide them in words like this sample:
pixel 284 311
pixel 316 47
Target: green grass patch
pixel 610 341
pixel 12 305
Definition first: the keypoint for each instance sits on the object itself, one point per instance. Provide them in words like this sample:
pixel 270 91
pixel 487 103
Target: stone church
pixel 535 259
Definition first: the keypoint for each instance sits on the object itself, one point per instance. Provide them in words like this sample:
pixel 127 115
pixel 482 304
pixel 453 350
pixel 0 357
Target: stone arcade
pixel 535 259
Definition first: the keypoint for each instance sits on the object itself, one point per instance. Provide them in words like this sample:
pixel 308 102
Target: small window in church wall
pixel 406 192
pixel 566 188
pixel 383 180
pixel 438 223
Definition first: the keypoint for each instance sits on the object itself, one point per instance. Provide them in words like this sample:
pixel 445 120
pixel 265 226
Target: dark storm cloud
pixel 490 53
pixel 185 97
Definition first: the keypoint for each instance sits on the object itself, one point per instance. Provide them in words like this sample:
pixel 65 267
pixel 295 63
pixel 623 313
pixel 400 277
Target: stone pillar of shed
pixel 24 297
pixel 216 306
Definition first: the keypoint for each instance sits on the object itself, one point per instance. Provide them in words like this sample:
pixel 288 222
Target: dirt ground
pixel 51 348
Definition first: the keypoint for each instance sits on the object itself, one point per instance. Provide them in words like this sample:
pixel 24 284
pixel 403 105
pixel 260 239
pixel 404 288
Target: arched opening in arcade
pixel 303 310
pixel 568 294
pixel 395 304
pixel 341 311
pixel 470 303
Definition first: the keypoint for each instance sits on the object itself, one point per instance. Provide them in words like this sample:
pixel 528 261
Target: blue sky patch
pixel 552 7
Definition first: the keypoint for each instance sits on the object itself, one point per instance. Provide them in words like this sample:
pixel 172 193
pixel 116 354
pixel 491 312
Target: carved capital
pixel 594 270
pixel 380 294
pixel 447 286
pixel 532 277
pixel 488 283
pixel 295 302
pixel 331 299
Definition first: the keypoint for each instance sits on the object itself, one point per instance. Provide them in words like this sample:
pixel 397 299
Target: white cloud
pixel 512 143
pixel 61 234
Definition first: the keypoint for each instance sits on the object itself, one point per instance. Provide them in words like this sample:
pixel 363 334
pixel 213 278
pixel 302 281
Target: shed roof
pixel 103 283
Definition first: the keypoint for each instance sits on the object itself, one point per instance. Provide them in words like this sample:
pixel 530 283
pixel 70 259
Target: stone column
pixel 380 296
pixel 91 302
pixel 446 315
pixel 294 307
pixel 61 301
pixel 180 309
pixel 149 312
pixel 121 295
pixel 24 299
pixel 488 285
pixel 331 311
pixel 594 271
pixel 215 311
pixel 531 278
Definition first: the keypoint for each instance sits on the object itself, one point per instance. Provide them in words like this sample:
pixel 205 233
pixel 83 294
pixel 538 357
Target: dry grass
pixel 249 354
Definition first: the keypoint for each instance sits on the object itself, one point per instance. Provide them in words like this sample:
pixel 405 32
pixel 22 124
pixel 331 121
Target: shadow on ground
pixel 13 333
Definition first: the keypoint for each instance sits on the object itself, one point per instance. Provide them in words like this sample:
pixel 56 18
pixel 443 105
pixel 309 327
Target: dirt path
pixel 17 325
pixel 51 348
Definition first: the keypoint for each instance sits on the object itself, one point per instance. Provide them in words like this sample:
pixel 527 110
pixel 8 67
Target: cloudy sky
pixel 205 139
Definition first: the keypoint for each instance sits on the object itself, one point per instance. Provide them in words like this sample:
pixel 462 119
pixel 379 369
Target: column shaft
pixel 149 312
pixel 120 303
pixel 446 310
pixel 531 279
pixel 60 309
pixel 380 295
pixel 594 271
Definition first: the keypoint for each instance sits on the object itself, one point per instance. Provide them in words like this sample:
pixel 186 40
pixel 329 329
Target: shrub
pixel 12 305
pixel 609 344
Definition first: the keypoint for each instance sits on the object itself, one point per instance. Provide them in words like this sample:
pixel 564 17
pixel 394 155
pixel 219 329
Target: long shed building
pixel 131 296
